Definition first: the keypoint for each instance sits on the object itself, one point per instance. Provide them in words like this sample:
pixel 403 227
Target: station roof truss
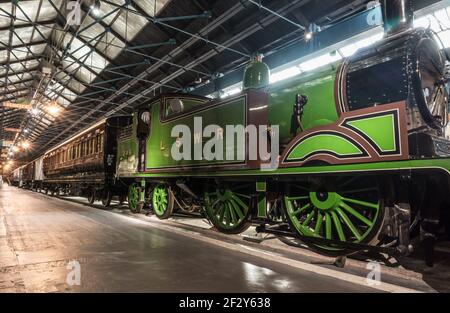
pixel 95 58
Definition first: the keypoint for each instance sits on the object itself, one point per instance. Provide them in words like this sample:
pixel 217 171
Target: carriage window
pixel 93 145
pixel 96 144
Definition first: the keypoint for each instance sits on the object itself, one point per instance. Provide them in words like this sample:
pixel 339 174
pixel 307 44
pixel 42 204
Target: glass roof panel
pixel 151 7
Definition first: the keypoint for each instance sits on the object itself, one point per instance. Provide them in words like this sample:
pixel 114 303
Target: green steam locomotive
pixel 363 156
pixel 344 159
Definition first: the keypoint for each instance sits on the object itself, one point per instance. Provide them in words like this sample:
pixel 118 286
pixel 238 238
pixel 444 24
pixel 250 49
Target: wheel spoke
pixel 338 225
pixel 309 218
pixel 363 203
pixel 242 195
pixel 297 198
pixel 237 209
pixel 327 226
pixel 355 213
pixel 221 212
pixel 301 210
pixel 318 223
pixel 226 216
pixel 232 213
pixel 240 202
pixel 349 224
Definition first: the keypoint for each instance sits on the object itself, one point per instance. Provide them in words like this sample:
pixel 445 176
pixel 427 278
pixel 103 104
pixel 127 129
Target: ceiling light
pixel 26 130
pixel 95 8
pixel 15 149
pixel 26 145
pixel 35 111
pixel 53 109
pixel 308 36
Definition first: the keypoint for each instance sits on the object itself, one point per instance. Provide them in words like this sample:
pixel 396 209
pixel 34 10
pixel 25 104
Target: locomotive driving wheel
pixel 162 201
pixel 350 211
pixel 133 199
pixel 228 210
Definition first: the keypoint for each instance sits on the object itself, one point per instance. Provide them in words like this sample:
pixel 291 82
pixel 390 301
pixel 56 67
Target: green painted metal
pixel 142 191
pixel 262 205
pixel 228 210
pixel 160 141
pixel 331 215
pixel 320 109
pixel 160 199
pixel 133 197
pixel 375 167
pixel 261 186
pixel 381 130
pixel 335 144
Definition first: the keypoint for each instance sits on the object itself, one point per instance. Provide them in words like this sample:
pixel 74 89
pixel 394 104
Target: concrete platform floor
pixel 40 235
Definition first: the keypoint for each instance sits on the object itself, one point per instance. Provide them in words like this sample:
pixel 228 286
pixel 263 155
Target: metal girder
pixel 44 23
pixel 231 41
pixel 18 82
pixel 21 72
pixel 12 98
pixel 327 37
pixel 224 17
pixel 14 91
pixel 6 47
pixel 21 60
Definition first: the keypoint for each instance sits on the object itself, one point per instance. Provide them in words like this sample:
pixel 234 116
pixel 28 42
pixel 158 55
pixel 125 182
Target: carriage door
pixel 143 130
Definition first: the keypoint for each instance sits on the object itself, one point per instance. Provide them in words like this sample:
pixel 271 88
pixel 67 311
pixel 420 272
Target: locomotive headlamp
pixel 145 117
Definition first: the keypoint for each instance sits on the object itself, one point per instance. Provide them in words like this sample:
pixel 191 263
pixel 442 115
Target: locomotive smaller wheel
pixel 228 211
pixel 353 212
pixel 107 197
pixel 162 201
pixel 133 199
pixel 92 196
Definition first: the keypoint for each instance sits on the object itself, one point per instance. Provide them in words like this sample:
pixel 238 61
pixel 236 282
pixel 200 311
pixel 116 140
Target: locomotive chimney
pixel 397 15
